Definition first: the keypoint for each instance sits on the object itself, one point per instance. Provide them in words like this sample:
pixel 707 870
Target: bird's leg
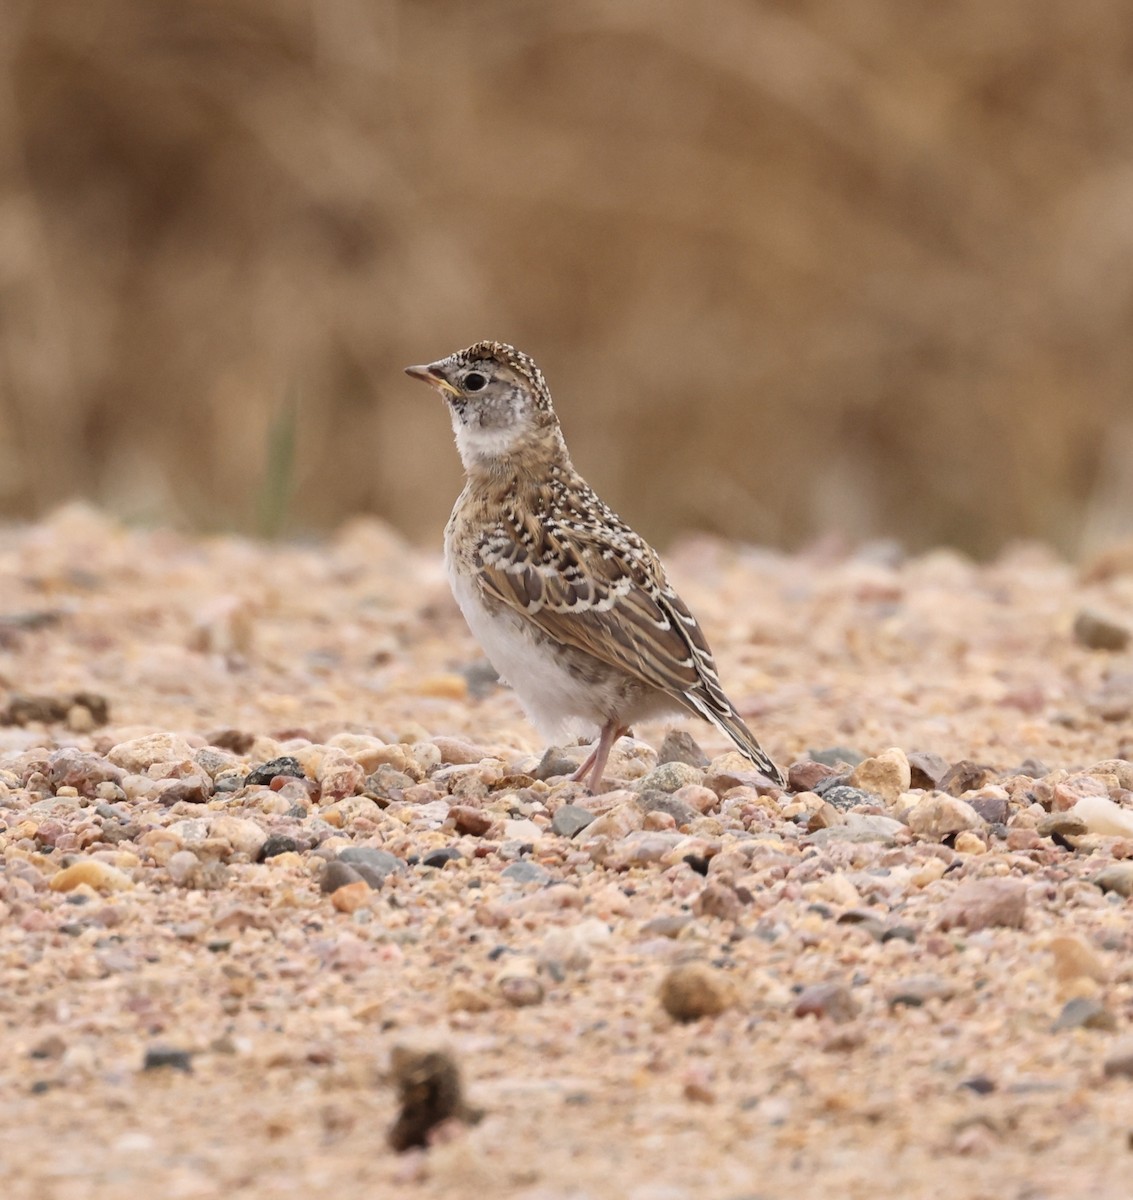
pixel 596 761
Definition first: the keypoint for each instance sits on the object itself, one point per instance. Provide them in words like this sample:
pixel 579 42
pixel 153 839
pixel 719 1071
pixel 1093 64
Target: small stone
pixel 262 775
pixel 1097 631
pixel 474 822
pixel 571 947
pixel 525 871
pixel 1084 1012
pixel 965 776
pixel 159 1057
pixel 1118 877
pixel 938 816
pixel 182 867
pixel 860 827
pixel 1104 817
pixel 703 800
pixel 806 774
pixel 734 770
pixel 245 836
pixel 717 900
pixel 94 873
pixel 887 775
pixel 982 903
pixel 1076 959
pixel 1061 824
pixel 441 856
pixel 679 746
pixel 837 756
pixel 519 983
pixel 571 819
pixel 652 801
pixel 557 761
pixel 993 809
pixel 337 875
pixel 1119 1060
pixel 139 754
pixel 919 990
pixel 669 777
pixel 183 791
pixel 842 797
pixel 669 927
pixel 522 830
pixel 276 844
pixel 351 896
pixel 693 990
pixel 969 843
pixel 372 864
pixel 833 1000
pixel 926 769
pixel 616 823
pixel 429 1093
pixel 464 997
pixel 457 752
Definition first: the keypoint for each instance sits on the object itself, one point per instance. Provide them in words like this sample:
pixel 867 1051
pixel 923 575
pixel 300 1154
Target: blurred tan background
pixel 850 266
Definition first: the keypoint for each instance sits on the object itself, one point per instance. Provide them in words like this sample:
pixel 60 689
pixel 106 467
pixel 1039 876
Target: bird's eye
pixel 475 382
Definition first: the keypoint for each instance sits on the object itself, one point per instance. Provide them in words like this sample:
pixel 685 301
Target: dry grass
pixel 863 266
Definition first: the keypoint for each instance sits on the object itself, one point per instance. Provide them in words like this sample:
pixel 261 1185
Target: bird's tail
pixel 728 721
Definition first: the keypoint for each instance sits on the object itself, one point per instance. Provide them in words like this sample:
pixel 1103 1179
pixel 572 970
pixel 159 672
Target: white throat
pixel 480 447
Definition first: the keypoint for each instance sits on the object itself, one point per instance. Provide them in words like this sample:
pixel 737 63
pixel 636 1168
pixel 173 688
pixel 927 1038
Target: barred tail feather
pixel 730 722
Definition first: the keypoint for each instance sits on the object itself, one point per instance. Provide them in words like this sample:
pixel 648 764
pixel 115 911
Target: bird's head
pixel 499 403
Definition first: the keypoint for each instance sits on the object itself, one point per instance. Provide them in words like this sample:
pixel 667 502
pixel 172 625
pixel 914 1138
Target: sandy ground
pixel 924 984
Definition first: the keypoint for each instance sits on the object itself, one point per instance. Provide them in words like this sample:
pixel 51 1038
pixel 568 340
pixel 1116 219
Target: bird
pixel 570 605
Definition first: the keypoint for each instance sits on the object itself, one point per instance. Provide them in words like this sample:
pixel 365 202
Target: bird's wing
pixel 588 581
pixel 576 570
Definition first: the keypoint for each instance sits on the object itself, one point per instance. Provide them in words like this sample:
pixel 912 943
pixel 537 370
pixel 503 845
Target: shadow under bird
pixel 570 605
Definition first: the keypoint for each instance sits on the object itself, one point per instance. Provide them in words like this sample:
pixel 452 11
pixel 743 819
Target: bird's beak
pixel 431 375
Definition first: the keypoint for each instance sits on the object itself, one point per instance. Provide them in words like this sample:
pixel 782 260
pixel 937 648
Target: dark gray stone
pixel 682 813
pixel 525 871
pixel 833 756
pixel 262 775
pixel 570 819
pixel 440 856
pixel 681 747
pixel 372 863
pixel 339 874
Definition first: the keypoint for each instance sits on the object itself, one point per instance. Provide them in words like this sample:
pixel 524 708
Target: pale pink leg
pixel 596 761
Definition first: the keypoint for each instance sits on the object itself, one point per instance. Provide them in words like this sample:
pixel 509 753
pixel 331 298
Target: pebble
pixel 805 775
pixel 571 819
pixel 351 896
pixel 833 1000
pixel 558 761
pixel 887 775
pixel 717 900
pixel 524 831
pixel 474 822
pixel 969 843
pixel 918 990
pixel 276 844
pixel 926 769
pixel 1119 1060
pixel 670 777
pixel 519 983
pixel 660 801
pixel 441 856
pixel 693 990
pixel 993 809
pixel 139 754
pixel 92 872
pixel 1102 816
pixel 982 903
pixel 245 836
pixel 842 797
pixel 860 827
pixel 1084 1012
pixel 1061 824
pixel 571 947
pixel 338 874
pixel 525 871
pixel 1118 877
pixel 372 864
pixel 1076 959
pixel 456 752
pixel 159 1057
pixel 938 816
pixel 262 775
pixel 1097 631
pixel 182 867
pixel 616 823
pixel 733 770
pixel 679 746
pixel 965 776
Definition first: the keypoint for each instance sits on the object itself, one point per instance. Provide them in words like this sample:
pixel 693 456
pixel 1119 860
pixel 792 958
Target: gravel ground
pixel 281 860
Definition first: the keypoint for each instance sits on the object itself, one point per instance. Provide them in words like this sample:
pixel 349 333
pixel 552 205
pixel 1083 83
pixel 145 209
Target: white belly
pixel 555 701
